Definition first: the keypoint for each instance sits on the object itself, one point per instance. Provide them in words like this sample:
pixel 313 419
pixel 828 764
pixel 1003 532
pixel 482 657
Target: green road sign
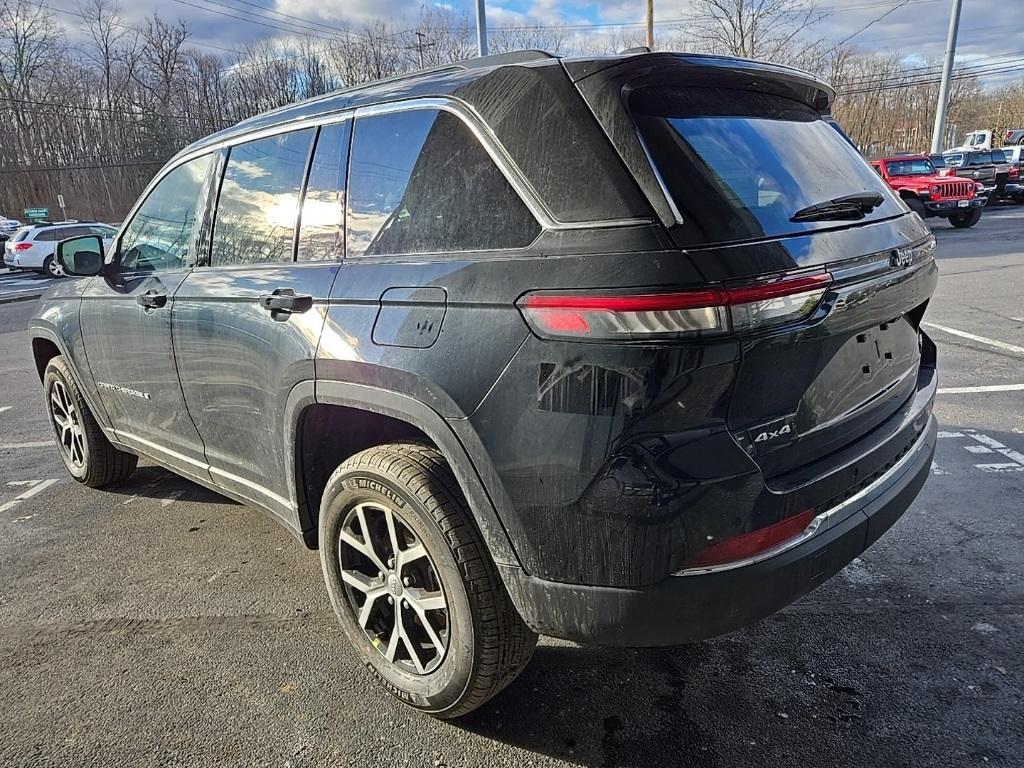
pixel 37 213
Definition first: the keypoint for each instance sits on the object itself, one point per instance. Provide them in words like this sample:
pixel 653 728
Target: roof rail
pixel 512 57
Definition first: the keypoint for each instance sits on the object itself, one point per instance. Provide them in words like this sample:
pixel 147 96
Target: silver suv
pixel 33 247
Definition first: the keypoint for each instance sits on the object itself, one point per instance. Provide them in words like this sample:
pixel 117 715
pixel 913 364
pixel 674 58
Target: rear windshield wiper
pixel 853 206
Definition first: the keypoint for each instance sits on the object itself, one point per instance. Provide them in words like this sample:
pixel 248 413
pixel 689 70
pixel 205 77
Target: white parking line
pixel 41 485
pixel 979 339
pixel 987 388
pixel 5 408
pixel 23 446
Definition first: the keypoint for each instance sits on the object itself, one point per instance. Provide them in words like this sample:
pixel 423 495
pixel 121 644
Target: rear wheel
pixel 412 583
pixel 52 268
pixel 965 220
pixel 87 454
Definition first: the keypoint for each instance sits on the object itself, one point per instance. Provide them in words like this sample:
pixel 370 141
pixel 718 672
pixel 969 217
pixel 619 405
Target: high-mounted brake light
pixel 641 316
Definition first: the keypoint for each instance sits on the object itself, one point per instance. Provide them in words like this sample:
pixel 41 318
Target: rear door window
pixel 322 227
pixel 739 165
pixel 259 200
pixel 421 182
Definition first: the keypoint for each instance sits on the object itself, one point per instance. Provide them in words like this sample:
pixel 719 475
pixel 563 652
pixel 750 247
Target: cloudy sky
pixel 991 31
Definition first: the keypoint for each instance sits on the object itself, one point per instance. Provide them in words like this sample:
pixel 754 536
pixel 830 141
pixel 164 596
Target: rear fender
pixel 411 409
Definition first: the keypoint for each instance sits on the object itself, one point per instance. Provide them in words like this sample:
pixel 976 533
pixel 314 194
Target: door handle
pixel 152 299
pixel 284 302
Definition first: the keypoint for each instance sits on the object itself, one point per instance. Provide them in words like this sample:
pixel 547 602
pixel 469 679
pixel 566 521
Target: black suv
pixel 622 350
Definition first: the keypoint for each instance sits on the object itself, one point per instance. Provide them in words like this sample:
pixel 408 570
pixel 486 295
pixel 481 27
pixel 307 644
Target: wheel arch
pixel 47 343
pixel 349 418
pixel 44 349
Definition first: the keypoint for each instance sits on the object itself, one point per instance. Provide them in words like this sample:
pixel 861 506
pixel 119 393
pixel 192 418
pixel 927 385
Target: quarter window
pixel 420 182
pixel 322 220
pixel 259 200
pixel 159 235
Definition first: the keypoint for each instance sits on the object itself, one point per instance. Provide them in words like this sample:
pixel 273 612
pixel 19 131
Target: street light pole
pixel 947 71
pixel 650 24
pixel 481 28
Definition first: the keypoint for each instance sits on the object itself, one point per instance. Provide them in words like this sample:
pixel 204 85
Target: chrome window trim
pixel 819 524
pixel 455 106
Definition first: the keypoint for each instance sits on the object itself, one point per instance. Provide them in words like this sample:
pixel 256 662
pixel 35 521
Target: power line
pixel 121 25
pixel 871 23
pixel 279 27
pixel 1006 68
pixel 931 69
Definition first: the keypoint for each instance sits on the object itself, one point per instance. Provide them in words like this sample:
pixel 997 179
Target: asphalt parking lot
pixel 160 624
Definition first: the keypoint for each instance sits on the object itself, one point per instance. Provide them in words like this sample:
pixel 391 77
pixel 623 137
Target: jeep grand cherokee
pixel 623 350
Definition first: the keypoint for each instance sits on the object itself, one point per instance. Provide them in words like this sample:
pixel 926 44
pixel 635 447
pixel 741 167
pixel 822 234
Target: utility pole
pixel 947 70
pixel 420 45
pixel 481 28
pixel 650 24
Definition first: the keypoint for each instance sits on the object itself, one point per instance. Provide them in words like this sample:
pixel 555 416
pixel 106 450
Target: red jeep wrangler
pixel 928 194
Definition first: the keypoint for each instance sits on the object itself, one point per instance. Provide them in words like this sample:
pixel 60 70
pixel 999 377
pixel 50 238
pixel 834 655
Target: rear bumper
pixel 694 606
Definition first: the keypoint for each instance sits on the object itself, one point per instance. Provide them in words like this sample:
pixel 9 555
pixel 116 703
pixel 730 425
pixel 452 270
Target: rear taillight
pixel 752 543
pixel 643 316
pixel 22 246
pixel 1014 172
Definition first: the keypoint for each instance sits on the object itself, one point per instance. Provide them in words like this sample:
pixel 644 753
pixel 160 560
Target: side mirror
pixel 81 256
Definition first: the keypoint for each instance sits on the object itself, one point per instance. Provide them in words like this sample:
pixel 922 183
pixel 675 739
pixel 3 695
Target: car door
pixel 247 322
pixel 126 320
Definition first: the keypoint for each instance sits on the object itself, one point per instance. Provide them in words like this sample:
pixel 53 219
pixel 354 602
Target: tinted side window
pixel 46 236
pixel 158 236
pixel 420 182
pixel 259 200
pixel 322 219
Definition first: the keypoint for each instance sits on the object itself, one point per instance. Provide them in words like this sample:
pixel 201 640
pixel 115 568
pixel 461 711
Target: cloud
pixel 916 30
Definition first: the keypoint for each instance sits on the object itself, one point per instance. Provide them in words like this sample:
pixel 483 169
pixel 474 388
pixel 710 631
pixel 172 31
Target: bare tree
pixel 771 30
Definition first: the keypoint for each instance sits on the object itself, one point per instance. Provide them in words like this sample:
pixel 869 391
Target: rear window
pixel 22 234
pixel 738 165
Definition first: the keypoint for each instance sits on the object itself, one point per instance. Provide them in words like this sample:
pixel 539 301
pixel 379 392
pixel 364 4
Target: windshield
pixel 738 165
pixel 916 167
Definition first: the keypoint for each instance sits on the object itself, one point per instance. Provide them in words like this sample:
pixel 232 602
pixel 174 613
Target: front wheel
pixel 85 450
pixel 965 220
pixel 916 206
pixel 410 579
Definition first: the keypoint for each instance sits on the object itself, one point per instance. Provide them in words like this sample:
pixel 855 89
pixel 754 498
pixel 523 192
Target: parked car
pixel 988 167
pixel 973 140
pixel 939 164
pixel 34 247
pixel 928 194
pixel 1014 184
pixel 579 347
pixel 1014 137
pixel 8 227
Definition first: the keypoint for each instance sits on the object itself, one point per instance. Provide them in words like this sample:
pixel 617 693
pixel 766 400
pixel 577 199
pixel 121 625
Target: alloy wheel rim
pixel 393 589
pixel 68 426
pixel 54 268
